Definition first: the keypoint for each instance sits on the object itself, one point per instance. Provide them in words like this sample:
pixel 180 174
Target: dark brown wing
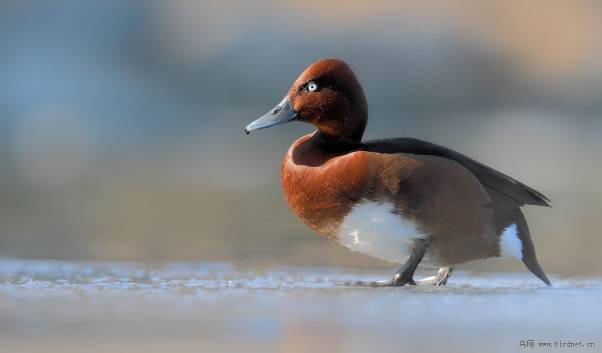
pixel 499 186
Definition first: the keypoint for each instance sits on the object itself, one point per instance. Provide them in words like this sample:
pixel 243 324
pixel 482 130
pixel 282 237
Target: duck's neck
pixel 316 149
pixel 334 143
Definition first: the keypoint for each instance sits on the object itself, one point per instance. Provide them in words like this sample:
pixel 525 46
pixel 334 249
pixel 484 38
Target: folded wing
pixel 502 188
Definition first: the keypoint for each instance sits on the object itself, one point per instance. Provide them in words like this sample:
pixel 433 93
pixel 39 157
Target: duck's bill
pixel 280 114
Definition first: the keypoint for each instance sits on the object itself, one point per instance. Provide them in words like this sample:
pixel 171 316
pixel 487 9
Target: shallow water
pixel 74 306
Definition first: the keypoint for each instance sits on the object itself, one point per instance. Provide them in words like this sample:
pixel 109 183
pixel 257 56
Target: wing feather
pixel 500 187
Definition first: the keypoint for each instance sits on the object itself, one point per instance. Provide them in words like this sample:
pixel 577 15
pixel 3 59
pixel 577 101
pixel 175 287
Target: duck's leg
pixel 440 279
pixel 405 273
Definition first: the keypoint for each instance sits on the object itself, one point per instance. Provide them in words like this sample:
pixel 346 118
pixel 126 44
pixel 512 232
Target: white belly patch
pixel 373 229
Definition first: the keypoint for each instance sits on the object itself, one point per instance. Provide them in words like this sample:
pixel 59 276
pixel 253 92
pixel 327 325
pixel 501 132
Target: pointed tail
pixel 529 258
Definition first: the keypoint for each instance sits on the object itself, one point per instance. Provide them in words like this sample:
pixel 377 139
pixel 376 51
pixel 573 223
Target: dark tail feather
pixel 536 269
pixel 529 258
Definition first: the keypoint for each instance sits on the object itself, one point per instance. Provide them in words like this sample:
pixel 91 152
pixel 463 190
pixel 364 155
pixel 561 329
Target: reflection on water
pixel 70 306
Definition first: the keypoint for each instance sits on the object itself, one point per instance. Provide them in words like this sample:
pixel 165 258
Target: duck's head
pixel 327 95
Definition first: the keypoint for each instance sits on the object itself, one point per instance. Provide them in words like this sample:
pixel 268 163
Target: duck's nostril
pixel 276 111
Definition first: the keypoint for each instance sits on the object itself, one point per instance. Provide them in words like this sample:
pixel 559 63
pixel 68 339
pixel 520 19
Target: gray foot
pixel 440 279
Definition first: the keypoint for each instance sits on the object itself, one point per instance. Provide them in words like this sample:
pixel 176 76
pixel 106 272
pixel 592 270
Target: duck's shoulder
pixel 501 187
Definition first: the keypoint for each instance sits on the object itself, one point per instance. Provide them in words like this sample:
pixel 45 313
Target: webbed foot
pixel 440 279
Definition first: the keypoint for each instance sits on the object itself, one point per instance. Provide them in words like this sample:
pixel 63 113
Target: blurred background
pixel 121 122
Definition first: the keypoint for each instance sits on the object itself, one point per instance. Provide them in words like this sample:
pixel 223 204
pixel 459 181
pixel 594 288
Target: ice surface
pixel 50 306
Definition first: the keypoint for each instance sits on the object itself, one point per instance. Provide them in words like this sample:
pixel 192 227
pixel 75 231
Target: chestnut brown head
pixel 327 95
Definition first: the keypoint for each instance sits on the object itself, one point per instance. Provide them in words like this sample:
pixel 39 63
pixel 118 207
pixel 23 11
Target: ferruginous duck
pixel 402 200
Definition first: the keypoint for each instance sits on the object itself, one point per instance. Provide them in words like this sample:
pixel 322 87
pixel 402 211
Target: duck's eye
pixel 312 86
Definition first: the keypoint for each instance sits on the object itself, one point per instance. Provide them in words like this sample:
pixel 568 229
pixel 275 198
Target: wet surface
pixel 69 306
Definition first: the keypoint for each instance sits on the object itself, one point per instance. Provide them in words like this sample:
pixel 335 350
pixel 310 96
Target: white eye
pixel 312 86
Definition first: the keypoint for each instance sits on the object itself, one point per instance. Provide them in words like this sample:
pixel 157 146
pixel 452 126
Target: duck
pixel 402 200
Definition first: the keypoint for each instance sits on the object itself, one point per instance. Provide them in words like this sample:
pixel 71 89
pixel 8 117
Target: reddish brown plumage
pixel 322 186
pixel 441 196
